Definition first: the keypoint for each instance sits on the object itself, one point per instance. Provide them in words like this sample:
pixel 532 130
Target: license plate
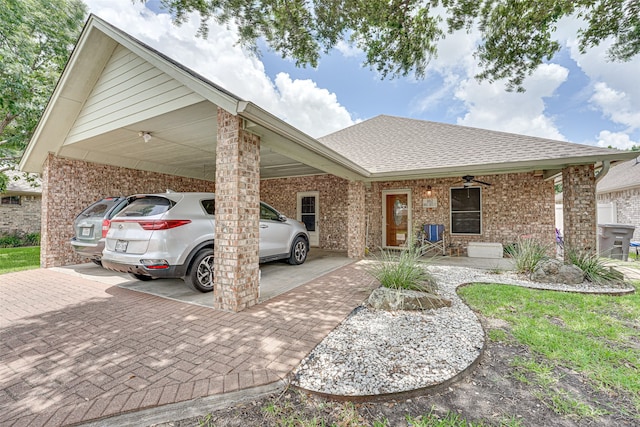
pixel 86 231
pixel 121 245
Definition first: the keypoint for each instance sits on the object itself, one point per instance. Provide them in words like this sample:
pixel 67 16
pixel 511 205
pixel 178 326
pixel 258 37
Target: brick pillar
pixel 47 240
pixel 236 281
pixel 356 220
pixel 579 208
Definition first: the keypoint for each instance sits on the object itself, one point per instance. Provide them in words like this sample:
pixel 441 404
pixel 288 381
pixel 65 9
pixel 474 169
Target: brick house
pixel 20 206
pixel 369 185
pixel 621 187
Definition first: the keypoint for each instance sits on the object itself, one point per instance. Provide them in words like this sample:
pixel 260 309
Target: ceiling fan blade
pixel 480 182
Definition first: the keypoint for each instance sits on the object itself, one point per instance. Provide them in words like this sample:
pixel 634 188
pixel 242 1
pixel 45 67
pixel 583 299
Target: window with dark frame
pixel 466 210
pixel 10 200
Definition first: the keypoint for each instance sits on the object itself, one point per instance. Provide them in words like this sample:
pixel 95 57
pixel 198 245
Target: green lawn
pixel 595 335
pixel 16 259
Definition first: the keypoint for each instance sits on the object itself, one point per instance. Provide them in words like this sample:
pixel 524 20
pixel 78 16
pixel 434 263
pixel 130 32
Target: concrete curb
pixel 187 409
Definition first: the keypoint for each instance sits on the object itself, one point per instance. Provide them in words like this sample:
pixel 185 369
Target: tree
pixel 399 37
pixel 36 38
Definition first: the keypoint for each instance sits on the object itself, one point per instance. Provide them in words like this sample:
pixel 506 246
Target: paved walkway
pixel 74 350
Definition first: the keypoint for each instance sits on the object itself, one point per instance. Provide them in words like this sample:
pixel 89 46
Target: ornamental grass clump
pixel 527 253
pixel 594 268
pixel 403 270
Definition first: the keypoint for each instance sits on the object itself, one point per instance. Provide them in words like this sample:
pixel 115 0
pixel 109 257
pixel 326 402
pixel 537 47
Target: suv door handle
pixel 264 226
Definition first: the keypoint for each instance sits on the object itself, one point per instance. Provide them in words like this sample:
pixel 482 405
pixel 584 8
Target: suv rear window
pixel 147 206
pixel 99 208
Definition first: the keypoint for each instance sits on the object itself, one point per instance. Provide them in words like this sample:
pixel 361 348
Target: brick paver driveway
pixel 73 350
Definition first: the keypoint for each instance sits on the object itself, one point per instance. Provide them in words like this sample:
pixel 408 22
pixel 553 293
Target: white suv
pixel 171 235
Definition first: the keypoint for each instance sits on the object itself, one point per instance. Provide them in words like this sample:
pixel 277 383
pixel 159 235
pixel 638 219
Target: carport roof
pixel 184 127
pixel 84 120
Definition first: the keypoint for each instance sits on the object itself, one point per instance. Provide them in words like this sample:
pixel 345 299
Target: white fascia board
pixel 501 168
pixel 327 157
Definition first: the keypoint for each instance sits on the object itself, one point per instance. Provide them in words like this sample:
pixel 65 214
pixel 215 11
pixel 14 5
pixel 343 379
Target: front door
pixel 397 217
pixel 308 211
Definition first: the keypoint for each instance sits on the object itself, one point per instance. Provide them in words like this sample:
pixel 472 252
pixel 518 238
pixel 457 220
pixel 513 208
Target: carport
pixel 125 119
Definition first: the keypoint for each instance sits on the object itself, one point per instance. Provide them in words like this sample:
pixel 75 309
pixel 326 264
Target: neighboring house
pixel 621 189
pixel 20 205
pixel 127 119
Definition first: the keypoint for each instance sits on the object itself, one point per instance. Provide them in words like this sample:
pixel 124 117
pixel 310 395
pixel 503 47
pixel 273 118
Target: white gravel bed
pixel 377 352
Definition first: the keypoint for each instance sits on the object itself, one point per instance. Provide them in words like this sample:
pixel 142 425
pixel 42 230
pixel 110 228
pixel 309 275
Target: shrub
pixel 15 240
pixel 402 271
pixel 594 269
pixel 527 253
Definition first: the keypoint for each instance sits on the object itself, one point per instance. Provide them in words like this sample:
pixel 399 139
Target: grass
pixel 594 335
pixel 16 259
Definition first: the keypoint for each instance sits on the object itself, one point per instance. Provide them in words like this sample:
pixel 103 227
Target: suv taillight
pixel 106 223
pixel 162 224
pixel 156 224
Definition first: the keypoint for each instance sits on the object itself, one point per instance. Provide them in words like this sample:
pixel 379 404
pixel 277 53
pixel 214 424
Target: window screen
pixel 466 212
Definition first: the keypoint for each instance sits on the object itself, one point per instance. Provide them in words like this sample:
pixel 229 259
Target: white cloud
pixel 313 108
pixel 616 140
pixel 491 107
pixel 616 106
pixel 614 85
pixel 348 50
pixel 222 61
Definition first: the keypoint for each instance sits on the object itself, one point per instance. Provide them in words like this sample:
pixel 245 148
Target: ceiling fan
pixel 470 179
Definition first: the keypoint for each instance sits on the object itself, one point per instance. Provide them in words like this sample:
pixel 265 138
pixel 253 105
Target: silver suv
pixel 171 235
pixel 92 224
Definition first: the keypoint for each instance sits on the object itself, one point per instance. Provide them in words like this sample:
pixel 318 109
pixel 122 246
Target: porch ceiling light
pixel 146 136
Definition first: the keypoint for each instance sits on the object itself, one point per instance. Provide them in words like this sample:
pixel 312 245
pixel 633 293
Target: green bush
pixel 527 253
pixel 15 240
pixel 594 269
pixel 404 270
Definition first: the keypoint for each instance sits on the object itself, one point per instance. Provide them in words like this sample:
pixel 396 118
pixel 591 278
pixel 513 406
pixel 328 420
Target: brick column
pixel 48 257
pixel 236 281
pixel 356 220
pixel 579 208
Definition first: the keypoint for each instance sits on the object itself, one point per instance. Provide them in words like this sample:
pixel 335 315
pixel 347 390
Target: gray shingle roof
pixel 621 176
pixel 386 144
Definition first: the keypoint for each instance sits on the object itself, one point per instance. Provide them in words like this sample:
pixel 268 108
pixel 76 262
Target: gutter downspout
pixel 606 165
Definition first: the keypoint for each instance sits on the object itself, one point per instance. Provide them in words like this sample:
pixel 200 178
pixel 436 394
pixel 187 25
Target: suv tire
pixel 299 251
pixel 200 276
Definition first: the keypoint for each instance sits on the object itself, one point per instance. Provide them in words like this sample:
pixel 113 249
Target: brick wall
pixel 627 207
pixel 22 218
pixel 514 205
pixel 332 197
pixel 579 207
pixel 356 227
pixel 68 186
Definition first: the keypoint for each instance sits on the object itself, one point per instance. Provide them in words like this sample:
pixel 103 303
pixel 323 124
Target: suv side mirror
pixel 282 218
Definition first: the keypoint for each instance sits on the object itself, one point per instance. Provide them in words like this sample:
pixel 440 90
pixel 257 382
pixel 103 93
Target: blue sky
pixel 577 98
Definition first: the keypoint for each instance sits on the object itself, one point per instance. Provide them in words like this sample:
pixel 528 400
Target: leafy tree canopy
pixel 399 37
pixel 36 38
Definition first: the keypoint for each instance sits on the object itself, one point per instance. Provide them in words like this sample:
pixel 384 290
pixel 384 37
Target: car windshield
pixel 147 206
pixel 99 208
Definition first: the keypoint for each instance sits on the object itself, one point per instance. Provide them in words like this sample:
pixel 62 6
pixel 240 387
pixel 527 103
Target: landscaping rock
pixel 402 299
pixel 555 271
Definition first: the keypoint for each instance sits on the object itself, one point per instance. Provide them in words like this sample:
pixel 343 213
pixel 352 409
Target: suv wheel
pixel 299 251
pixel 200 277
